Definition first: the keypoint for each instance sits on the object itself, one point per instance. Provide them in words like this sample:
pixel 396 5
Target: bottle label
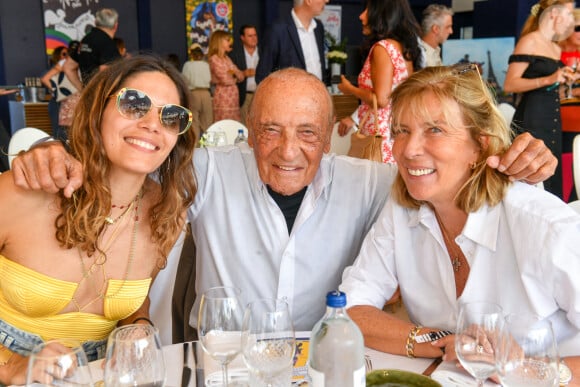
pixel 317 378
pixel 359 377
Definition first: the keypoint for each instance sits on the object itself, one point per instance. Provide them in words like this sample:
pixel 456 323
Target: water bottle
pixel 336 355
pixel 241 137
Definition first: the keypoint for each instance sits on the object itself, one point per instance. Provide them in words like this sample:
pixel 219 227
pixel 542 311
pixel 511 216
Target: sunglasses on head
pixel 577 28
pixel 134 104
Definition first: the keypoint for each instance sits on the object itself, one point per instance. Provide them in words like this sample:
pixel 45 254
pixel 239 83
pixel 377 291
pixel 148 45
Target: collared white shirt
pixel 432 56
pixel 523 254
pixel 251 63
pixel 197 73
pixel 242 238
pixel 309 46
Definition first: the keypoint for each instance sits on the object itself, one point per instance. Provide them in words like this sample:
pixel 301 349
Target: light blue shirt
pixel 242 238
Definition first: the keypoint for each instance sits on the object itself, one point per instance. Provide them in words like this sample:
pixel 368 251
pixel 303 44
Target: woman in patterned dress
pixel 224 75
pixel 393 54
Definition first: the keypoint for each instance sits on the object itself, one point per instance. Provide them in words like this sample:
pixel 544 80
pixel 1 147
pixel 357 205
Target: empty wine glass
pixel 268 343
pixel 571 62
pixel 478 331
pixel 134 357
pixel 219 325
pixel 61 362
pixel 528 354
pixel 220 138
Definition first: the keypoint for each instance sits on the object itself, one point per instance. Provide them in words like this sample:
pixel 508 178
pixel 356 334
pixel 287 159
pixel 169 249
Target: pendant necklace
pixel 453 254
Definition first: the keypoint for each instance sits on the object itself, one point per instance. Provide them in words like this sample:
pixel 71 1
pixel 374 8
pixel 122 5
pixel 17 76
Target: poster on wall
pixel 203 17
pixel 66 20
pixel 331 18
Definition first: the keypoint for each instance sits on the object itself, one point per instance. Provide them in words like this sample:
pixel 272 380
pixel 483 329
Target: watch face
pixel 565 374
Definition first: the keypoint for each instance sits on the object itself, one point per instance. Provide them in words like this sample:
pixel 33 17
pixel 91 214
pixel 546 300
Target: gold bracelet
pixel 410 346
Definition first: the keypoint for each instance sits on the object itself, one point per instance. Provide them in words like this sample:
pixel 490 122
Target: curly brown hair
pixel 83 217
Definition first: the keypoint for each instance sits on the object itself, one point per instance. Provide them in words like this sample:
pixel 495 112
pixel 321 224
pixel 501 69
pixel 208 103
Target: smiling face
pixel 290 126
pixel 139 146
pixel 434 153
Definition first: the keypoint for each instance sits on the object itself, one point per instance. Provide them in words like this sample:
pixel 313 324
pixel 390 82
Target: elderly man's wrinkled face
pixel 289 131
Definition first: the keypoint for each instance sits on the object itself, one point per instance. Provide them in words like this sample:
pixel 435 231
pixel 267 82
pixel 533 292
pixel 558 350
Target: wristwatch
pixel 431 336
pixel 565 374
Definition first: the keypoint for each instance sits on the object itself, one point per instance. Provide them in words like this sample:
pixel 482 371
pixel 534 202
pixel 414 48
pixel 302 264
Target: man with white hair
pixel 436 26
pixel 295 41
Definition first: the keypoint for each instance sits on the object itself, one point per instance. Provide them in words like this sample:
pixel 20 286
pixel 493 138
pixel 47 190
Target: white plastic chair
pixel 22 139
pixel 575 205
pixel 576 163
pixel 339 145
pixel 230 127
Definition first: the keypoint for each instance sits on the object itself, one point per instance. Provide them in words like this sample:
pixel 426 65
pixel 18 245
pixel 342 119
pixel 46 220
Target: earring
pixel 473 165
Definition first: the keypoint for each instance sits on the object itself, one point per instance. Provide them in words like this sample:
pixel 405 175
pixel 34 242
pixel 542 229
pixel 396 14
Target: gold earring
pixel 473 165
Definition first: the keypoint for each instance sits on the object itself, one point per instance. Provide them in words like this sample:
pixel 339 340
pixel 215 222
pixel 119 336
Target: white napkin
pixel 449 375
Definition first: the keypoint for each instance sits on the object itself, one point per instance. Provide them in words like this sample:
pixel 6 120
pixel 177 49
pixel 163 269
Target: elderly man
pixel 295 41
pixel 436 26
pixel 279 218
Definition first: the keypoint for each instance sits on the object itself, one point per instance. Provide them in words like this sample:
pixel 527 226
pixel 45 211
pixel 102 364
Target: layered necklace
pixel 100 259
pixel 458 260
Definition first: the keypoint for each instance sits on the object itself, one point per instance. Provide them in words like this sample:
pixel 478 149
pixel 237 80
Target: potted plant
pixel 336 54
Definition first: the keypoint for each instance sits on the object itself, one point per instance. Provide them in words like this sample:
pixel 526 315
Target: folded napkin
pixel 449 375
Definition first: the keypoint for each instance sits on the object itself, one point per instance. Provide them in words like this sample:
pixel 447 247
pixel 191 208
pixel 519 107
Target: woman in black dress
pixel 535 71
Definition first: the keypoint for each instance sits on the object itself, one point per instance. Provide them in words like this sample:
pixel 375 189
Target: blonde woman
pixel 224 75
pixel 536 72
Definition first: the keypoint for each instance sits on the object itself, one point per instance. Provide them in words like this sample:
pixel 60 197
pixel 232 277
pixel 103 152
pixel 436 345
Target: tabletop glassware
pixel 219 326
pixel 479 326
pixel 134 357
pixel 268 343
pixel 61 362
pixel 527 354
pixel 571 62
pixel 220 138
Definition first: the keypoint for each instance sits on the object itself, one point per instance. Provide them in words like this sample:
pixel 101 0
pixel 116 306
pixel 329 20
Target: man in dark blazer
pixel 246 58
pixel 283 44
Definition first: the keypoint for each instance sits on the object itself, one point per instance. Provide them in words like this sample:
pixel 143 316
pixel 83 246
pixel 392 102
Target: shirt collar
pixel 298 23
pixel 482 226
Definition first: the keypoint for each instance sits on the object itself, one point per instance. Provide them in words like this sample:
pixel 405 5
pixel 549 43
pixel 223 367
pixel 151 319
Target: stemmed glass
pixel 60 362
pixel 268 343
pixel 571 62
pixel 134 357
pixel 527 354
pixel 479 326
pixel 219 325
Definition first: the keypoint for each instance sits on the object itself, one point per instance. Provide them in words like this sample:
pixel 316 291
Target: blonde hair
pixel 464 86
pixel 533 21
pixel 215 39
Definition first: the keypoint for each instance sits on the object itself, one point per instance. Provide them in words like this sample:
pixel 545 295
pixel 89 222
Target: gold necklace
pixel 101 293
pixel 453 254
pixel 110 220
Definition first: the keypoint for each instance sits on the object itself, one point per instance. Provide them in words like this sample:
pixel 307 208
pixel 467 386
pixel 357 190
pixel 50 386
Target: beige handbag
pixel 367 147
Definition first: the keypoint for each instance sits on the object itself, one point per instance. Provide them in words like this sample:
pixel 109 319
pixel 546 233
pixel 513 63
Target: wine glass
pixel 479 326
pixel 527 354
pixel 61 362
pixel 268 343
pixel 219 325
pixel 134 357
pixel 571 62
pixel 220 139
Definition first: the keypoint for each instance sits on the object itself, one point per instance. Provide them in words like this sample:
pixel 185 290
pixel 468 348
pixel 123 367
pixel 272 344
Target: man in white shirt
pixel 279 218
pixel 247 59
pixel 436 26
pixel 295 41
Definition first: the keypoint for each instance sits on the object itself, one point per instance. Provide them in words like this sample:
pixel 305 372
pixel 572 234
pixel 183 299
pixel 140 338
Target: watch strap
pixel 431 336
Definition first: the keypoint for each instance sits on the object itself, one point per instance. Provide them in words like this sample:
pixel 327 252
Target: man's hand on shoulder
pixel 47 167
pixel 528 159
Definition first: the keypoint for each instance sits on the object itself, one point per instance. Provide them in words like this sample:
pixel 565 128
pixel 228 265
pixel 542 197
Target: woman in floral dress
pixel 393 54
pixel 224 75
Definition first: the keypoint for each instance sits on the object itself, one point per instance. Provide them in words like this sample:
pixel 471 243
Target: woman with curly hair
pixel 77 268
pixel 393 54
pixel 535 72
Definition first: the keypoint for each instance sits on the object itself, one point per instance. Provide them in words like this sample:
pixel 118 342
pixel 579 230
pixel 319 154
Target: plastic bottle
pixel 241 137
pixel 336 355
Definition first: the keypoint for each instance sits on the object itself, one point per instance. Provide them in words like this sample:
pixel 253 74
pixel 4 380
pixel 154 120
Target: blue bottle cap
pixel 336 299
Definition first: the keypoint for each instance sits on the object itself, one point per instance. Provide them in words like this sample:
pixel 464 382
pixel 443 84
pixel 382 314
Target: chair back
pixel 576 163
pixel 507 111
pixel 230 128
pixel 575 205
pixel 22 140
pixel 339 145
